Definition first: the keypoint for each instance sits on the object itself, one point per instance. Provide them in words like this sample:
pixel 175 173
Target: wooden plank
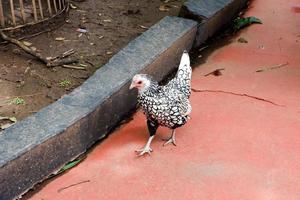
pixel 12 10
pixel 22 11
pixel 34 11
pixel 49 7
pixel 59 4
pixel 2 20
pixel 55 6
pixel 41 9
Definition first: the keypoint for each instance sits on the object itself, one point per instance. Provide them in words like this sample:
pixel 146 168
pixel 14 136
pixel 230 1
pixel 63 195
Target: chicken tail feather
pixel 182 80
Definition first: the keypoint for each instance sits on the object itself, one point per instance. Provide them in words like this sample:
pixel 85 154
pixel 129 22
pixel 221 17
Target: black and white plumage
pixel 166 105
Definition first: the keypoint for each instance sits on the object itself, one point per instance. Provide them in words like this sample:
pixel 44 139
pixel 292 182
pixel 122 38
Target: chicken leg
pixel 147 148
pixel 152 127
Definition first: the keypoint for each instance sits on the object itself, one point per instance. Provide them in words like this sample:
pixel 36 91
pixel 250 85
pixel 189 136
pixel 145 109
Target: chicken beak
pixel 132 86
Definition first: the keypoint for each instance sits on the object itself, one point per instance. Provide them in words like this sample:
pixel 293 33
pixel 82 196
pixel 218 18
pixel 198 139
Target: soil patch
pixel 27 85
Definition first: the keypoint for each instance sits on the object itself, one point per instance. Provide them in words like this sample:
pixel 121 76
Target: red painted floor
pixel 234 146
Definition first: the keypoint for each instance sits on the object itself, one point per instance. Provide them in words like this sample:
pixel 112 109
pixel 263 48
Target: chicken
pixel 166 105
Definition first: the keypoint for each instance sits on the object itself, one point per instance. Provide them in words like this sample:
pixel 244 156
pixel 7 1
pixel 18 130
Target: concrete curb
pixel 39 145
pixel 34 148
pixel 211 15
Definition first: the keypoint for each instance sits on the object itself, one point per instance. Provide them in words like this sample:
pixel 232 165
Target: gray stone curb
pixel 34 148
pixel 212 15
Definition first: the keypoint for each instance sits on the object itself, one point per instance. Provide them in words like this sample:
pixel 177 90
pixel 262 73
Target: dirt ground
pixel 27 85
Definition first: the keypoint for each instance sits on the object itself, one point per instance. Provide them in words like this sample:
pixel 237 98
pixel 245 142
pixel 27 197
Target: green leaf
pixel 240 23
pixel 17 101
pixel 65 83
pixel 69 165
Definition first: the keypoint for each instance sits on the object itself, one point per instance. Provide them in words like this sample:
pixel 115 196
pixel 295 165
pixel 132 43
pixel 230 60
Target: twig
pixel 73 67
pixel 63 55
pixel 59 62
pixel 68 53
pixel 202 48
pixel 24 47
pixel 272 67
pixel 89 62
pixel 238 94
pixel 61 189
pixel 49 62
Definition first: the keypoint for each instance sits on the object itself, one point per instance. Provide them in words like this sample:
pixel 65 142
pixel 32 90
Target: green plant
pixel 241 22
pixel 17 101
pixel 65 83
pixel 69 165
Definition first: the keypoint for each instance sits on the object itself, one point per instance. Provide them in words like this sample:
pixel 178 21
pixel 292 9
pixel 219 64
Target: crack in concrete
pixel 239 94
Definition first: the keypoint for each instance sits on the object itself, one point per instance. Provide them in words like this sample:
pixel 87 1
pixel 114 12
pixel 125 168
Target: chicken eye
pixel 139 82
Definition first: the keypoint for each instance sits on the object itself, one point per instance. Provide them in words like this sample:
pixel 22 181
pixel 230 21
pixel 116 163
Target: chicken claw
pixel 171 139
pixel 144 150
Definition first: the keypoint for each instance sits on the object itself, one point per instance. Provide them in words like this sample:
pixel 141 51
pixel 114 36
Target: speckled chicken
pixel 166 105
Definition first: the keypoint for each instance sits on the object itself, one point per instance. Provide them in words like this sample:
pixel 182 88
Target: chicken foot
pixel 147 148
pixel 171 139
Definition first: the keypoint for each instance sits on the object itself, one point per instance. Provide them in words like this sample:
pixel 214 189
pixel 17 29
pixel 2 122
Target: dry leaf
pixel 164 8
pixel 5 126
pixel 242 40
pixel 73 6
pixel 33 48
pixel 216 72
pixel 143 27
pixel 13 119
